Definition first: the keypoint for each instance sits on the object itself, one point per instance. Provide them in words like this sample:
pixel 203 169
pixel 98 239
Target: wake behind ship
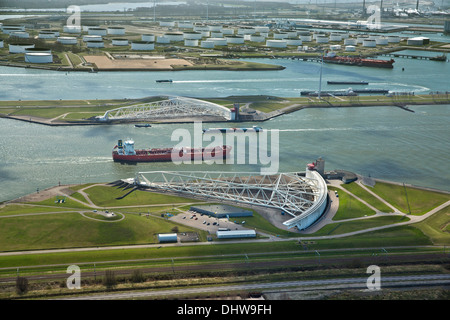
pixel 124 152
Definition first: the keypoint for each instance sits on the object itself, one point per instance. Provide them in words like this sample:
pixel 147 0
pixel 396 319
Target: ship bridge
pixel 172 107
pixel 301 199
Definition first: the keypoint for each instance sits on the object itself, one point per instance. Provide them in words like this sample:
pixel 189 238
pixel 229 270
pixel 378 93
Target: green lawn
pixel 357 225
pixel 70 230
pixel 420 201
pixel 105 196
pixel 437 227
pixel 358 191
pixel 15 209
pixel 350 207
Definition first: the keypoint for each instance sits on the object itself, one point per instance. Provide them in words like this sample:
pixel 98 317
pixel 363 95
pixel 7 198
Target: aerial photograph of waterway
pixel 225 150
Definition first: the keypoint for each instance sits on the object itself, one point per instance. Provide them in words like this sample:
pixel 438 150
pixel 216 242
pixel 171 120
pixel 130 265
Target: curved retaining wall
pixel 313 213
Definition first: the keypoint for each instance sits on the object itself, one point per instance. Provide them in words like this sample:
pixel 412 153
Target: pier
pixel 412 56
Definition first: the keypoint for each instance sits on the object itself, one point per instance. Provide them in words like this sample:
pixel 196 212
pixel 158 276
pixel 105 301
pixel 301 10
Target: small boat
pixel 348 82
pixel 168 80
pixel 225 130
pixel 442 57
pixel 142 125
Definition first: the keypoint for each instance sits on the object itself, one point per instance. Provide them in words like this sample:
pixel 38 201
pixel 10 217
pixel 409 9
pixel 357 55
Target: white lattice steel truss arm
pixel 172 107
pixel 290 192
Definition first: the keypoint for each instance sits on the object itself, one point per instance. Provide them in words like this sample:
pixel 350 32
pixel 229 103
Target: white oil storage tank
pixel 142 45
pixel 276 43
pixel 38 57
pixel 67 40
pixel 116 30
pixel 190 42
pixel 235 39
pixel 207 44
pixel 369 43
pixel 119 42
pixel 19 47
pixel 148 37
pixel 95 44
pixel 97 31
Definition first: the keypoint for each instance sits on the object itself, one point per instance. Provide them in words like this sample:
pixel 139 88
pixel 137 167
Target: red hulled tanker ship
pixel 356 61
pixel 125 152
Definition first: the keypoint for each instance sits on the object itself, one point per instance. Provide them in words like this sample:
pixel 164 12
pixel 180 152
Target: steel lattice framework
pixel 172 107
pixel 290 192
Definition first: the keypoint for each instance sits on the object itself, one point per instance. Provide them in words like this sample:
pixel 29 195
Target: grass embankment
pixel 358 191
pixel 409 199
pixel 350 207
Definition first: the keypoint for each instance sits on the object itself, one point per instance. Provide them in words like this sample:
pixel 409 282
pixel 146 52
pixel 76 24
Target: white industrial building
pixel 167 237
pixel 236 234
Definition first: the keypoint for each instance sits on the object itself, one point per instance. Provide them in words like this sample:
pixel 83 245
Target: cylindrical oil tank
pixel 382 41
pixel 350 42
pixel 116 30
pixel 174 36
pixel 72 29
pixel 38 57
pixel 350 48
pixel 191 42
pixel 192 35
pixel 257 38
pixel 95 44
pixel 276 43
pixel 20 34
pixel 322 39
pixel 97 32
pixel 162 39
pixel 148 37
pixel 235 39
pixel 294 42
pixel 369 43
pixel 19 47
pixel 67 40
pixel 119 42
pixel 87 38
pixel 218 41
pixel 207 44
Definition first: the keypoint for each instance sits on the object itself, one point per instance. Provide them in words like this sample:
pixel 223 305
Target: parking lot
pixel 205 222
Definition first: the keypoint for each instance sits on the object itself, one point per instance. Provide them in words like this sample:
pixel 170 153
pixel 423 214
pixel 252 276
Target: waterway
pixel 385 142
